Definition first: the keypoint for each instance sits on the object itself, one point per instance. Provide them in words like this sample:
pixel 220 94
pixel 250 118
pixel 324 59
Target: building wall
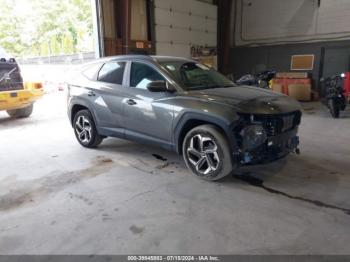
pixel 330 58
pixel 138 27
pixel 285 21
pixel 267 34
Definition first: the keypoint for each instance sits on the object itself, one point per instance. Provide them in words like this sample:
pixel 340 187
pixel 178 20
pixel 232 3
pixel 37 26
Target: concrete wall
pixel 286 21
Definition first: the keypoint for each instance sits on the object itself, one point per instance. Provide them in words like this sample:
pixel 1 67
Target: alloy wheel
pixel 83 129
pixel 202 154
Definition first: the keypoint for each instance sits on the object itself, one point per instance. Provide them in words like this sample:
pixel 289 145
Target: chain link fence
pixel 58 60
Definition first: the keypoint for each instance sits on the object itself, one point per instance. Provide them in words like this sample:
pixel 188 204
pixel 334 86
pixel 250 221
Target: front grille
pixel 276 124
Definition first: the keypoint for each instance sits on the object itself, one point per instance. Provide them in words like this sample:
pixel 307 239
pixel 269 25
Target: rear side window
pixel 112 73
pixel 142 74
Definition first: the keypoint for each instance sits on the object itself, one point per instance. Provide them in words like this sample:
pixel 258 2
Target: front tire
pixel 206 153
pixel 85 130
pixel 334 108
pixel 21 113
pixel 263 84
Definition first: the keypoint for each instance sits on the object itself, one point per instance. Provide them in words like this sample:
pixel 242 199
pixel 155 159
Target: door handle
pixel 131 102
pixel 91 93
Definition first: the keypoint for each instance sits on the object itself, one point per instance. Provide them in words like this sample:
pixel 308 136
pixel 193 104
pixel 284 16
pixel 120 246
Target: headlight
pixel 253 136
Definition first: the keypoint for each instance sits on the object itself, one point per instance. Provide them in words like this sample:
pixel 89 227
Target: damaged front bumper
pixel 274 148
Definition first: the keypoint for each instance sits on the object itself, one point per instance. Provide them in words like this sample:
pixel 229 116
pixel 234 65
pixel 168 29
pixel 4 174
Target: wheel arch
pixel 75 108
pixel 192 120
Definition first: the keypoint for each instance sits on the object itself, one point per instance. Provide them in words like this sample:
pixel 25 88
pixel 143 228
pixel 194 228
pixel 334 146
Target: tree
pixel 36 27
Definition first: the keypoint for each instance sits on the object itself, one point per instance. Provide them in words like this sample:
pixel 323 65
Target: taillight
pixel 38 85
pixel 34 85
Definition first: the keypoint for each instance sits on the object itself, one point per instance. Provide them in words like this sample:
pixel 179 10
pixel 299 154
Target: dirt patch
pixel 82 198
pixel 167 164
pixel 25 192
pixel 167 167
pixel 136 230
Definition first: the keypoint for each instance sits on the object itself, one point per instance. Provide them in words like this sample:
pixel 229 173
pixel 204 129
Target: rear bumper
pixel 10 100
pixel 274 148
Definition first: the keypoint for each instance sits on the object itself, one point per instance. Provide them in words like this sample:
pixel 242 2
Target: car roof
pixel 157 59
pixel 171 58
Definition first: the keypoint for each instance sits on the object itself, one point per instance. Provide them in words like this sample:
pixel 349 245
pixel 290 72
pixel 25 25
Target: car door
pixel 108 95
pixel 148 115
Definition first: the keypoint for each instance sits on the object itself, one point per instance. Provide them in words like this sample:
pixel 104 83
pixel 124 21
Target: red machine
pixel 347 86
pixel 336 90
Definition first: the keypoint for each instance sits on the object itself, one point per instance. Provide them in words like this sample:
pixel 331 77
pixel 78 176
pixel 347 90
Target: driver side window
pixel 142 74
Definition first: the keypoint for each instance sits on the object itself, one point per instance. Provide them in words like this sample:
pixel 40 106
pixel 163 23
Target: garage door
pixel 183 23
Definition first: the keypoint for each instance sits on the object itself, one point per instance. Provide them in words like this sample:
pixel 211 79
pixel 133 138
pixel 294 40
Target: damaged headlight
pixel 253 136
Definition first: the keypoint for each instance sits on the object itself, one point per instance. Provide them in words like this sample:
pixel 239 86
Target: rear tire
pixel 22 112
pixel 206 153
pixel 85 129
pixel 334 108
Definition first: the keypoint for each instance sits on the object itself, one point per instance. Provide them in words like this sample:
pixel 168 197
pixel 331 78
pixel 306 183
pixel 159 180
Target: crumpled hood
pixel 249 99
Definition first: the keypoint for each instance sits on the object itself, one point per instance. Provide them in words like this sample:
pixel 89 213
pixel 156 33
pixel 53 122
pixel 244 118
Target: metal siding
pixel 285 21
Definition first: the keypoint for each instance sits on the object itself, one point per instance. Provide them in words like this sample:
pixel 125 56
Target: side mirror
pixel 157 86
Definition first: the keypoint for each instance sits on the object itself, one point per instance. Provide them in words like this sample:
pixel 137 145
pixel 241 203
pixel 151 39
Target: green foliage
pixel 37 27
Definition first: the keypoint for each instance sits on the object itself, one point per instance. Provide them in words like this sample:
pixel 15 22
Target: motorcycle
pixel 333 93
pixel 261 79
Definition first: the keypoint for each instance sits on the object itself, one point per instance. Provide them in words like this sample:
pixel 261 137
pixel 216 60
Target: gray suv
pixel 181 105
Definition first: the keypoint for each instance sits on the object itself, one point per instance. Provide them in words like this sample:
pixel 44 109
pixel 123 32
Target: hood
pixel 249 99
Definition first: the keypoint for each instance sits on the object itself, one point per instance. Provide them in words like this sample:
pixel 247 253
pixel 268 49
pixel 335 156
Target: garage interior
pixel 59 198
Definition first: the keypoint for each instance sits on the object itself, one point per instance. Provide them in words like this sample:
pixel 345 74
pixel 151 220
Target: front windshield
pixel 195 76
